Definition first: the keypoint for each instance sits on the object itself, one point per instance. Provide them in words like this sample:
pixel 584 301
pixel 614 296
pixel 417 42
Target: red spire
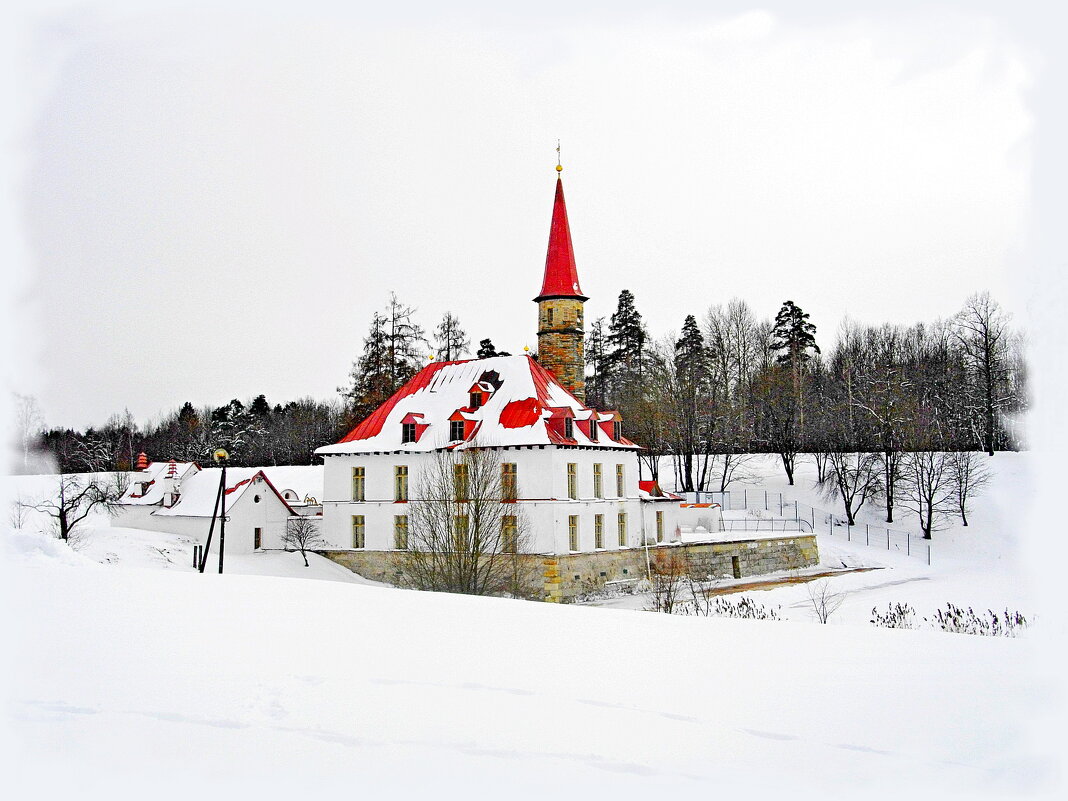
pixel 561 277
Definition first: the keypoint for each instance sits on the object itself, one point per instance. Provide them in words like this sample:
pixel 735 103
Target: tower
pixel 561 332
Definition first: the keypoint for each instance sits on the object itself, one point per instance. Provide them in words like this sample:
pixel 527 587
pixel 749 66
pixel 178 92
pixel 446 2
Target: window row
pixel 509 482
pixel 461 485
pixel 459 535
pixel 573 538
pixel 598 481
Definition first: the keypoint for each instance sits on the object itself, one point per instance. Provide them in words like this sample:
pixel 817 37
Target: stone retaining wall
pixel 564 577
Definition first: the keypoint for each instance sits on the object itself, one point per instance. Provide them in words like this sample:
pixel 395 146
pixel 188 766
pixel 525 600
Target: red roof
pixel 561 277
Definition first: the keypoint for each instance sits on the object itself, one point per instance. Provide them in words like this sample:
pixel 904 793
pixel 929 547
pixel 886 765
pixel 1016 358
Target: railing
pixel 786 515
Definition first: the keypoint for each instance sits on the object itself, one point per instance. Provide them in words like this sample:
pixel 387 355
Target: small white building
pixel 180 498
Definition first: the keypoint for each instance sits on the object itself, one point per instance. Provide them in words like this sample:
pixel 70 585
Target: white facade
pixel 543 499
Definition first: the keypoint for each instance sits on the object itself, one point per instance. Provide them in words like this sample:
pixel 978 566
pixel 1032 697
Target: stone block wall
pixel 561 342
pixel 563 578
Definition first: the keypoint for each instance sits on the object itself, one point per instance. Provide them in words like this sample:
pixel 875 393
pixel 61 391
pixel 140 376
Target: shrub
pixel 898 616
pixel 961 621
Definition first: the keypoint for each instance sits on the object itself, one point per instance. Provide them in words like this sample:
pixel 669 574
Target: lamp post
pixel 221 457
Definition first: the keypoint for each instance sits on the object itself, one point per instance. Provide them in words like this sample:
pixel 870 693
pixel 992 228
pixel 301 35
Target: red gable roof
pixel 561 277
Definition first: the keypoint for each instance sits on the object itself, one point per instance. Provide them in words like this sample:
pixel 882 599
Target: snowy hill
pixel 156 681
pixel 133 675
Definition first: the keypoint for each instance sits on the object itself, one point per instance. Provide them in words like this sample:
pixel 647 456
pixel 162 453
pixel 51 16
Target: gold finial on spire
pixel 559 166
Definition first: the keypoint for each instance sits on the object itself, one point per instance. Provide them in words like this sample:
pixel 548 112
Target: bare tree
pixel 29 426
pixel 303 534
pixel 927 481
pixel 465 533
pixel 668 577
pixel 450 339
pixel 968 475
pixel 824 600
pixel 18 511
pixel 853 478
pixel 981 328
pixel 76 496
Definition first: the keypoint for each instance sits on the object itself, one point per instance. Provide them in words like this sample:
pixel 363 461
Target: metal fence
pixel 786 515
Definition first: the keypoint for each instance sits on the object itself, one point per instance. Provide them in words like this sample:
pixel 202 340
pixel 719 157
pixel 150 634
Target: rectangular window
pixel 598 531
pixel 509 484
pixel 459 475
pixel 476 400
pixel 400 482
pixel 593 427
pixel 598 482
pixel 659 526
pixel 572 532
pixel 407 432
pixel 620 483
pixel 456 430
pixel 622 529
pixel 400 532
pixel 358 540
pixel 569 428
pixel 358 484
pixel 572 481
pixel 549 315
pixel 257 538
pixel 459 534
pixel 509 534
pixel 617 431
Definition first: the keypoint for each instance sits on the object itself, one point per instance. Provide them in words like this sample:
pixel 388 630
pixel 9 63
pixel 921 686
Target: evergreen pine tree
pixel 486 349
pixel 626 346
pixel 794 335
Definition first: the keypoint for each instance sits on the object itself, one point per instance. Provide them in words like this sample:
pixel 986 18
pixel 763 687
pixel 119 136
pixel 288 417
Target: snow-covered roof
pixel 527 407
pixel 651 491
pixel 146 486
pixel 199 491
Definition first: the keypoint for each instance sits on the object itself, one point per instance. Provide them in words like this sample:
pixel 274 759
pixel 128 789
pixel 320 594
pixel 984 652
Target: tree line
pixel 727 385
pixel 895 412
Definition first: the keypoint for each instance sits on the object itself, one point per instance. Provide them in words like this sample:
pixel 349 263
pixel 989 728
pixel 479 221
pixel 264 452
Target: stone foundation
pixel 565 577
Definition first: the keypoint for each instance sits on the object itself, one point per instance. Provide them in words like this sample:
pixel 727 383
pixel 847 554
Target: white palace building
pixel 569 467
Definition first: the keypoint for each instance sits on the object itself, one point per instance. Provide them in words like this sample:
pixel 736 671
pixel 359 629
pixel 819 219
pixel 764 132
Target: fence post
pixel 765 500
pixel 848 538
pixel 908 544
pixel 866 540
pixel 888 539
pixel 928 554
pixel 745 499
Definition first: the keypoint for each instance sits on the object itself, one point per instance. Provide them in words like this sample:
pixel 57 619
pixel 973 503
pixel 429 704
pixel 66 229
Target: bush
pixel 745 608
pixel 960 621
pixel 898 616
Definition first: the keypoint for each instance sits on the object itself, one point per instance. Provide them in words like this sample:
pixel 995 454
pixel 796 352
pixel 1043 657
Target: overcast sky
pixel 211 204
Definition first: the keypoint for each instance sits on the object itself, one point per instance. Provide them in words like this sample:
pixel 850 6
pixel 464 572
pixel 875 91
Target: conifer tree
pixel 626 349
pixel 794 335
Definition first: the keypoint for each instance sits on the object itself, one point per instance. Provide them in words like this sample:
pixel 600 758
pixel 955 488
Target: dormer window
pixel 569 428
pixel 456 430
pixel 407 432
pixel 476 400
pixel 617 430
pixel 593 427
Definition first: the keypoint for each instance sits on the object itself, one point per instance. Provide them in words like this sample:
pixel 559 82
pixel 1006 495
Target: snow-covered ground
pixel 132 675
pixel 978 566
